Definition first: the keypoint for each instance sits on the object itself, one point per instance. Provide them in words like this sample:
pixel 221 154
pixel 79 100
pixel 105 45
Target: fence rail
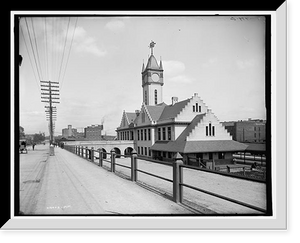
pixel 178 166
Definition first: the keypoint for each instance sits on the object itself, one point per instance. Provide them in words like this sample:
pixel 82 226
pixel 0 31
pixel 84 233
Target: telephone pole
pixel 50 93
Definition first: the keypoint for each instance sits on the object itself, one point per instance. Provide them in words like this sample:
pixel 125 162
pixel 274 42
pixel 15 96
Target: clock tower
pixel 152 80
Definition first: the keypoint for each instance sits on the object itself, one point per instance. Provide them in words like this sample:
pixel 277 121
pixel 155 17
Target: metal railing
pixel 177 171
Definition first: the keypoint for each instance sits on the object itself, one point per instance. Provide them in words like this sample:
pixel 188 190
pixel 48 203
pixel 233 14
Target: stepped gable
pixel 182 137
pixel 199 146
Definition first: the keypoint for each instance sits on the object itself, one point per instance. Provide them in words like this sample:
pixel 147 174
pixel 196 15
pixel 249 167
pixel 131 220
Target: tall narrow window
pixel 158 133
pixel 196 107
pixel 199 108
pixel 155 96
pixel 138 132
pixel 145 97
pixel 141 134
pixel 169 133
pixel 213 130
pixel 145 132
pixel 206 130
pixel 164 133
pixel 209 129
pixel 149 134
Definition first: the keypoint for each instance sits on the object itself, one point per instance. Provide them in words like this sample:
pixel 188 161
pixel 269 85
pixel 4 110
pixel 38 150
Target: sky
pixel 98 61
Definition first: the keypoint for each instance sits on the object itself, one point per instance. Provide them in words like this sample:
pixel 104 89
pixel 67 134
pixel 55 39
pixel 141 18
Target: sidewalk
pixel 71 185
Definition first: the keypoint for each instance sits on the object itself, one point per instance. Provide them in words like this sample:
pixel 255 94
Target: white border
pixel 278 221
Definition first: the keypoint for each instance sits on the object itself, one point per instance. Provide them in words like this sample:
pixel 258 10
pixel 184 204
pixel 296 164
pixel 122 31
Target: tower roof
pixel 152 63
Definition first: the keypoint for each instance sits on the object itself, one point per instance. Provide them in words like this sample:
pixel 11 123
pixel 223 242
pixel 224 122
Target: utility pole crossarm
pixel 50 96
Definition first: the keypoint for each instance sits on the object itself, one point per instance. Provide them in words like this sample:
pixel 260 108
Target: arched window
pixel 155 96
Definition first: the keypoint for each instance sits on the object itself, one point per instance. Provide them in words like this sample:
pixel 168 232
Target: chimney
pixel 137 112
pixel 174 100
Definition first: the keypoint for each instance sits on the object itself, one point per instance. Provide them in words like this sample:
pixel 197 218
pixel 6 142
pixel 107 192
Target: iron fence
pixel 177 170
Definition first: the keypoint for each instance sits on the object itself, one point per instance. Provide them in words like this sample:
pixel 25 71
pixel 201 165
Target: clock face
pixel 155 77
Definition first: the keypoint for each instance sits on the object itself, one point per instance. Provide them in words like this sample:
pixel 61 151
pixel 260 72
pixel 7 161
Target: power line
pixel 46 49
pixel 32 49
pixel 69 52
pixel 62 59
pixel 29 57
pixel 37 49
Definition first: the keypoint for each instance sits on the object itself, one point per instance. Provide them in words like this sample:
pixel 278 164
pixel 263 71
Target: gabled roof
pixel 130 116
pixel 155 111
pixel 171 111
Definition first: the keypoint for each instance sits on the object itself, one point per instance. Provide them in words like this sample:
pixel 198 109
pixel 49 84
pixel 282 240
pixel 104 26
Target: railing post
pixel 86 152
pixel 177 178
pixel 100 157
pixel 92 154
pixel 112 157
pixel 81 151
pixel 133 165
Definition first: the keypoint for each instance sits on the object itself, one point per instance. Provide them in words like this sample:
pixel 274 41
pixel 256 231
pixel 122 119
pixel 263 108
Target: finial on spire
pixel 152 44
pixel 160 64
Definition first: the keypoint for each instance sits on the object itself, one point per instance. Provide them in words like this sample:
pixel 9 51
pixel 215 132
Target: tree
pixel 21 132
pixel 39 137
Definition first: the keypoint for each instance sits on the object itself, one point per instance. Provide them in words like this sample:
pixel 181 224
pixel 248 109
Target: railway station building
pixel 188 126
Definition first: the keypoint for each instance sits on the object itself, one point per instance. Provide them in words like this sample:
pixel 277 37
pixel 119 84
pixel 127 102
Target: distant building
pixel 249 131
pixel 69 132
pixel 93 132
